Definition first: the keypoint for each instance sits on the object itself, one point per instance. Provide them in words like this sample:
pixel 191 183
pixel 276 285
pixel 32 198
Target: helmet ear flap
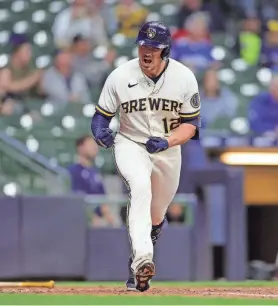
pixel 165 53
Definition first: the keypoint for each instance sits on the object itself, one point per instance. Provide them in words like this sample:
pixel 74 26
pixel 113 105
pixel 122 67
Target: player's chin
pixel 148 66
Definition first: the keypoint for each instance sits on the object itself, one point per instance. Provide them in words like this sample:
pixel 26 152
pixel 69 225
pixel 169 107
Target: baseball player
pixel 159 106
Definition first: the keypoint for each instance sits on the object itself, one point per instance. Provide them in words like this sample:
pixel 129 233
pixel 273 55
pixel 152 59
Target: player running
pixel 159 105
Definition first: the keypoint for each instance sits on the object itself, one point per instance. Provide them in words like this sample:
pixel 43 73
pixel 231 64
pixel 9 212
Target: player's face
pixel 150 59
pixel 90 148
pixel 25 53
pixel 211 82
pixel 63 62
pixel 175 211
pixel 83 47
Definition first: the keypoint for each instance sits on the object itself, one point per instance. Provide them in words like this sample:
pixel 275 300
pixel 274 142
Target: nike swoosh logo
pixel 129 85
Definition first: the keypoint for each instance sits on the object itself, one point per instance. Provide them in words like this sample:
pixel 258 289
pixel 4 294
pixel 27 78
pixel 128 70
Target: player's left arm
pixel 189 115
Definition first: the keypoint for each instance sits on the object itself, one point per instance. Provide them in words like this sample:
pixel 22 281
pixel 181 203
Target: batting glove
pixel 156 144
pixel 104 138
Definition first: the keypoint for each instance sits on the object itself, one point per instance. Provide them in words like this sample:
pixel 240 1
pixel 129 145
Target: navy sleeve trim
pixel 197 123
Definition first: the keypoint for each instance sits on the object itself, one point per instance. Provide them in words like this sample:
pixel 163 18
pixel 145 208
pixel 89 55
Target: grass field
pixel 87 293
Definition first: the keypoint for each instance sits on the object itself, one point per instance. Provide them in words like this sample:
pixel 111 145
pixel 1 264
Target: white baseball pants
pixel 152 180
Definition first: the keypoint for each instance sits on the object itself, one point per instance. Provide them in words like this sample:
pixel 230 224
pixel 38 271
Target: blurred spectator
pixel 80 17
pixel 62 85
pixel 269 55
pixel 20 78
pixel 249 40
pixel 199 19
pixel 131 15
pixel 194 49
pixel 263 110
pixel 84 63
pixel 108 14
pixel 86 179
pixel 214 15
pixel 217 101
pixel 175 214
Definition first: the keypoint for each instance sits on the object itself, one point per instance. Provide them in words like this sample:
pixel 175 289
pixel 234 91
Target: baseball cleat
pixel 130 283
pixel 144 274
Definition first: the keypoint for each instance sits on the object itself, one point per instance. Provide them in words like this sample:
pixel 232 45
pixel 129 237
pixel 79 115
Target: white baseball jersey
pixel 148 108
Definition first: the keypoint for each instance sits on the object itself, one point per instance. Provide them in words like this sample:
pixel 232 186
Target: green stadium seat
pixel 221 123
pixel 43 61
pixel 151 5
pixel 168 12
pixel 108 166
pixel 95 93
pixel 13 121
pixel 243 106
pixel 34 104
pixel 39 5
pixel 6 20
pixel 44 124
pixel 74 109
pixel 18 6
pixel 55 7
pixel 41 20
pixel 22 27
pixel 4 4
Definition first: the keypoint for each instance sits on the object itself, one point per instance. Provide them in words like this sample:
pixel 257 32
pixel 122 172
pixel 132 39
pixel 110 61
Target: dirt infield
pixel 247 292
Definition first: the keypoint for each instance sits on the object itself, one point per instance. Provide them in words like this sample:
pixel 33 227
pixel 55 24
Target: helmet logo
pixel 151 33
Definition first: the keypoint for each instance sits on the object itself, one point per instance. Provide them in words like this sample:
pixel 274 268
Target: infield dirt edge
pixel 104 290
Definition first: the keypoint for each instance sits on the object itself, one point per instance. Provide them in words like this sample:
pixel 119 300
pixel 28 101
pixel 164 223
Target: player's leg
pixel 155 234
pixel 135 167
pixel 130 283
pixel 165 181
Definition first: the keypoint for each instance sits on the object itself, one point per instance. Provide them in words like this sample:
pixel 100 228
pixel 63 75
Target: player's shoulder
pixel 180 68
pixel 125 69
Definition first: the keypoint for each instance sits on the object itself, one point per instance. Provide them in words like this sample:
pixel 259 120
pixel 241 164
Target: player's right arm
pixel 105 110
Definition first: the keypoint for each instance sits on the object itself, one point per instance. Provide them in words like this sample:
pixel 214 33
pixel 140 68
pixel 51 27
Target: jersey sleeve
pixel 108 101
pixel 191 106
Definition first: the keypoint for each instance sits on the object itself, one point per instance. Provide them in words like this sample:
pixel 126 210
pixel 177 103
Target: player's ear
pixel 161 55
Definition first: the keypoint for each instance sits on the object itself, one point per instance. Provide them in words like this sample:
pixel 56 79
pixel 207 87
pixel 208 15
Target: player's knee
pixel 141 188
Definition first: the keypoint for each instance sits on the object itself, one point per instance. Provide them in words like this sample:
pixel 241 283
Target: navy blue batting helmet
pixel 156 35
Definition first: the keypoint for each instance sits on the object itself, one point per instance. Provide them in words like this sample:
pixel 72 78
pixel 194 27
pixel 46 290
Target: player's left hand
pixel 104 138
pixel 156 144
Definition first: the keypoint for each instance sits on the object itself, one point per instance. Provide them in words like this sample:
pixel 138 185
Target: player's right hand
pixel 104 138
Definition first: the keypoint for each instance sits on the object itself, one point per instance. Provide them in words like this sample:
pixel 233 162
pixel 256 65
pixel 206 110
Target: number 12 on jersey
pixel 170 124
